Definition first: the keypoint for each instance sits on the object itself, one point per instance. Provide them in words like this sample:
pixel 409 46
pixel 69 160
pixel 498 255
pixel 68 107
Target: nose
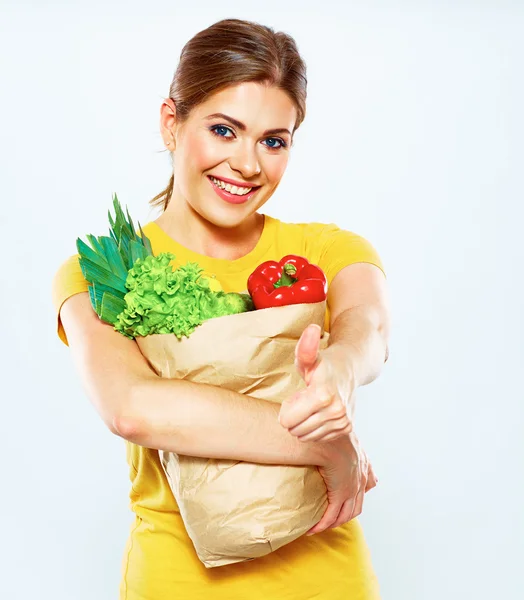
pixel 245 160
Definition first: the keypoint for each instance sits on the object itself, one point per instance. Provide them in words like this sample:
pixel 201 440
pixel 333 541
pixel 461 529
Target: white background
pixel 413 139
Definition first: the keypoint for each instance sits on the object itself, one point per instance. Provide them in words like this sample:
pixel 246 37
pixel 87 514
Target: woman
pixel 236 99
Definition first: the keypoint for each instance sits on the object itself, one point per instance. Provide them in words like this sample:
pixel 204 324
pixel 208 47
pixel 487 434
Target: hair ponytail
pixel 163 198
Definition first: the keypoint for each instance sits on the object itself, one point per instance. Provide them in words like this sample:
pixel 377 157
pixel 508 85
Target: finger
pixel 295 410
pixel 307 347
pixel 324 430
pixel 371 483
pixel 359 502
pixel 345 513
pixel 372 479
pixel 306 350
pixel 329 517
pixel 303 405
pixel 335 434
pixel 320 424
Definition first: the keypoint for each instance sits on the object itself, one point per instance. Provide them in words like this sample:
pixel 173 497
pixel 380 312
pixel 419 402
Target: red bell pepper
pixel 292 280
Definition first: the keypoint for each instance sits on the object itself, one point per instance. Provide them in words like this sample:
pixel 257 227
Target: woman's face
pixel 249 143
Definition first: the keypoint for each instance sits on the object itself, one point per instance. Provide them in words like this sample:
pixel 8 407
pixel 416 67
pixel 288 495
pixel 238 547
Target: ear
pixel 168 122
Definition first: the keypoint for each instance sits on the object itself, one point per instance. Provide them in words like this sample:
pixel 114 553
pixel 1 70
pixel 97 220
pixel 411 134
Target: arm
pixel 175 415
pixel 360 317
pixel 356 352
pixel 203 420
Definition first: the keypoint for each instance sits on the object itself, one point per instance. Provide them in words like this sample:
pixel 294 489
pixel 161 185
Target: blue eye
pixel 216 128
pixel 282 143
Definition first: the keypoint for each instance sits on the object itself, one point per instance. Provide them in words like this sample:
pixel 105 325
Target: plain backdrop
pixel 413 139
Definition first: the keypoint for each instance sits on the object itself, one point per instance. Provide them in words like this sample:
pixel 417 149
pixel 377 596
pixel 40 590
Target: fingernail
pixel 313 533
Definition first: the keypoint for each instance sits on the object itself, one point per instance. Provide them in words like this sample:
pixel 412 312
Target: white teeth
pixel 232 189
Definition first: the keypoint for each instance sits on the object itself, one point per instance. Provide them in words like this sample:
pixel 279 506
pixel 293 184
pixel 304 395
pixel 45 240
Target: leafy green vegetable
pixel 106 263
pixel 163 300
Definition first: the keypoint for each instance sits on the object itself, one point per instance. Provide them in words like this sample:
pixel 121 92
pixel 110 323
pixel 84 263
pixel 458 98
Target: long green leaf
pixel 96 274
pixel 122 227
pixel 137 250
pixel 92 297
pixel 135 236
pixel 113 258
pixel 85 251
pixel 100 289
pixel 123 250
pixel 111 308
pixel 113 236
pixel 95 243
pixel 111 222
pixel 145 241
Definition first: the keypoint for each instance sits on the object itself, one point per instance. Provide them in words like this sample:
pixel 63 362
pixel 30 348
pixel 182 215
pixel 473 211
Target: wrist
pixel 322 454
pixel 358 338
pixel 310 453
pixel 341 357
pixel 330 452
pixel 345 358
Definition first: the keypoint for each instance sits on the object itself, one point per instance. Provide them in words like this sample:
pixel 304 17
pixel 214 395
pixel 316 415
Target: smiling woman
pixel 237 97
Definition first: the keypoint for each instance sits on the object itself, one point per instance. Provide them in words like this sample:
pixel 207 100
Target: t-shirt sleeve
pixel 67 282
pixel 336 248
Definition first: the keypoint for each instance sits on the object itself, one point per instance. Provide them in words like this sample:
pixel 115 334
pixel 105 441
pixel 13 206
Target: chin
pixel 225 218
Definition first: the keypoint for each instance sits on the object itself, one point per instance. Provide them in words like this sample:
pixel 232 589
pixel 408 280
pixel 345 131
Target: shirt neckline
pixel 236 265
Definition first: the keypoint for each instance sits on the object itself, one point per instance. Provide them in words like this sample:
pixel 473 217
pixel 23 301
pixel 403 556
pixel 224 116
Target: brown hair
pixel 230 52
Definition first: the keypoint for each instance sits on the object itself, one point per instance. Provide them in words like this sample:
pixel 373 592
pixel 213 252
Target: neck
pixel 196 233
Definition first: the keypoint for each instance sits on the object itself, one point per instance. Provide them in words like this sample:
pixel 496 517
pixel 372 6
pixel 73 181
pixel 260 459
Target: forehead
pixel 256 105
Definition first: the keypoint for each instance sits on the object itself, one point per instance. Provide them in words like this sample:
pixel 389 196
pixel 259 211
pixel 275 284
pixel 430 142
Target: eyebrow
pixel 242 127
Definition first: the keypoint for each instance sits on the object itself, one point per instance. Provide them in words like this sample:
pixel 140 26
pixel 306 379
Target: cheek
pixel 275 167
pixel 201 154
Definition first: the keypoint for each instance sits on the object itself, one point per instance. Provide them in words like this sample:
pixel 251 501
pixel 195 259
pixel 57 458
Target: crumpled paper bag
pixel 233 510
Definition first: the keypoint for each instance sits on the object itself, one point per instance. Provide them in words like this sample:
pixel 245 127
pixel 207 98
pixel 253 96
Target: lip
pixel 232 198
pixel 233 182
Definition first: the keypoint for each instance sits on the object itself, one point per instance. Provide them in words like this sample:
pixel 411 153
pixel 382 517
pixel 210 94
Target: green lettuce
pixel 163 300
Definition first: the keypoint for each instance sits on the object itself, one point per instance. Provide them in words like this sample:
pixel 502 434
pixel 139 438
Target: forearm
pixel 358 342
pixel 197 419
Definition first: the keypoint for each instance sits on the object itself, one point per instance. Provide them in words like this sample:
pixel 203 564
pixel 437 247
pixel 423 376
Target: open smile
pixel 232 193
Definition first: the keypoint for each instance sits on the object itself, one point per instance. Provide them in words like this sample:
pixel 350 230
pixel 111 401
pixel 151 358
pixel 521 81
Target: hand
pixel 348 475
pixel 321 412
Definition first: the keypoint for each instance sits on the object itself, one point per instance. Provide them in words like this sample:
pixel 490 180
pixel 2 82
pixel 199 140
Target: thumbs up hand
pixel 320 411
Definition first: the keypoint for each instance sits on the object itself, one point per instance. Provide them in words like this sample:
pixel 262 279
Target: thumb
pixel 306 350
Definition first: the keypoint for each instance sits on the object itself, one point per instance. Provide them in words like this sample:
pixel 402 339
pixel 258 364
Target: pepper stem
pixel 287 279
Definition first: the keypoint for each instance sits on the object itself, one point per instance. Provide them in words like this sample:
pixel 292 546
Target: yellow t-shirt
pixel 159 561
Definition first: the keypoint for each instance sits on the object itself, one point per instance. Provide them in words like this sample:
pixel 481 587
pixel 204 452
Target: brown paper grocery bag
pixel 236 511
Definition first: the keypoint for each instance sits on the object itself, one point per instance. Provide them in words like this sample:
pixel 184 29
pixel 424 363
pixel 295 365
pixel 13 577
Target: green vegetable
pixel 141 294
pixel 163 300
pixel 106 263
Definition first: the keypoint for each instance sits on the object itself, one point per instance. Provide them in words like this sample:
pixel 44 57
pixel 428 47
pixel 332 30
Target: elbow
pixel 376 362
pixel 115 418
pixel 126 422
pixel 145 420
pixel 126 427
